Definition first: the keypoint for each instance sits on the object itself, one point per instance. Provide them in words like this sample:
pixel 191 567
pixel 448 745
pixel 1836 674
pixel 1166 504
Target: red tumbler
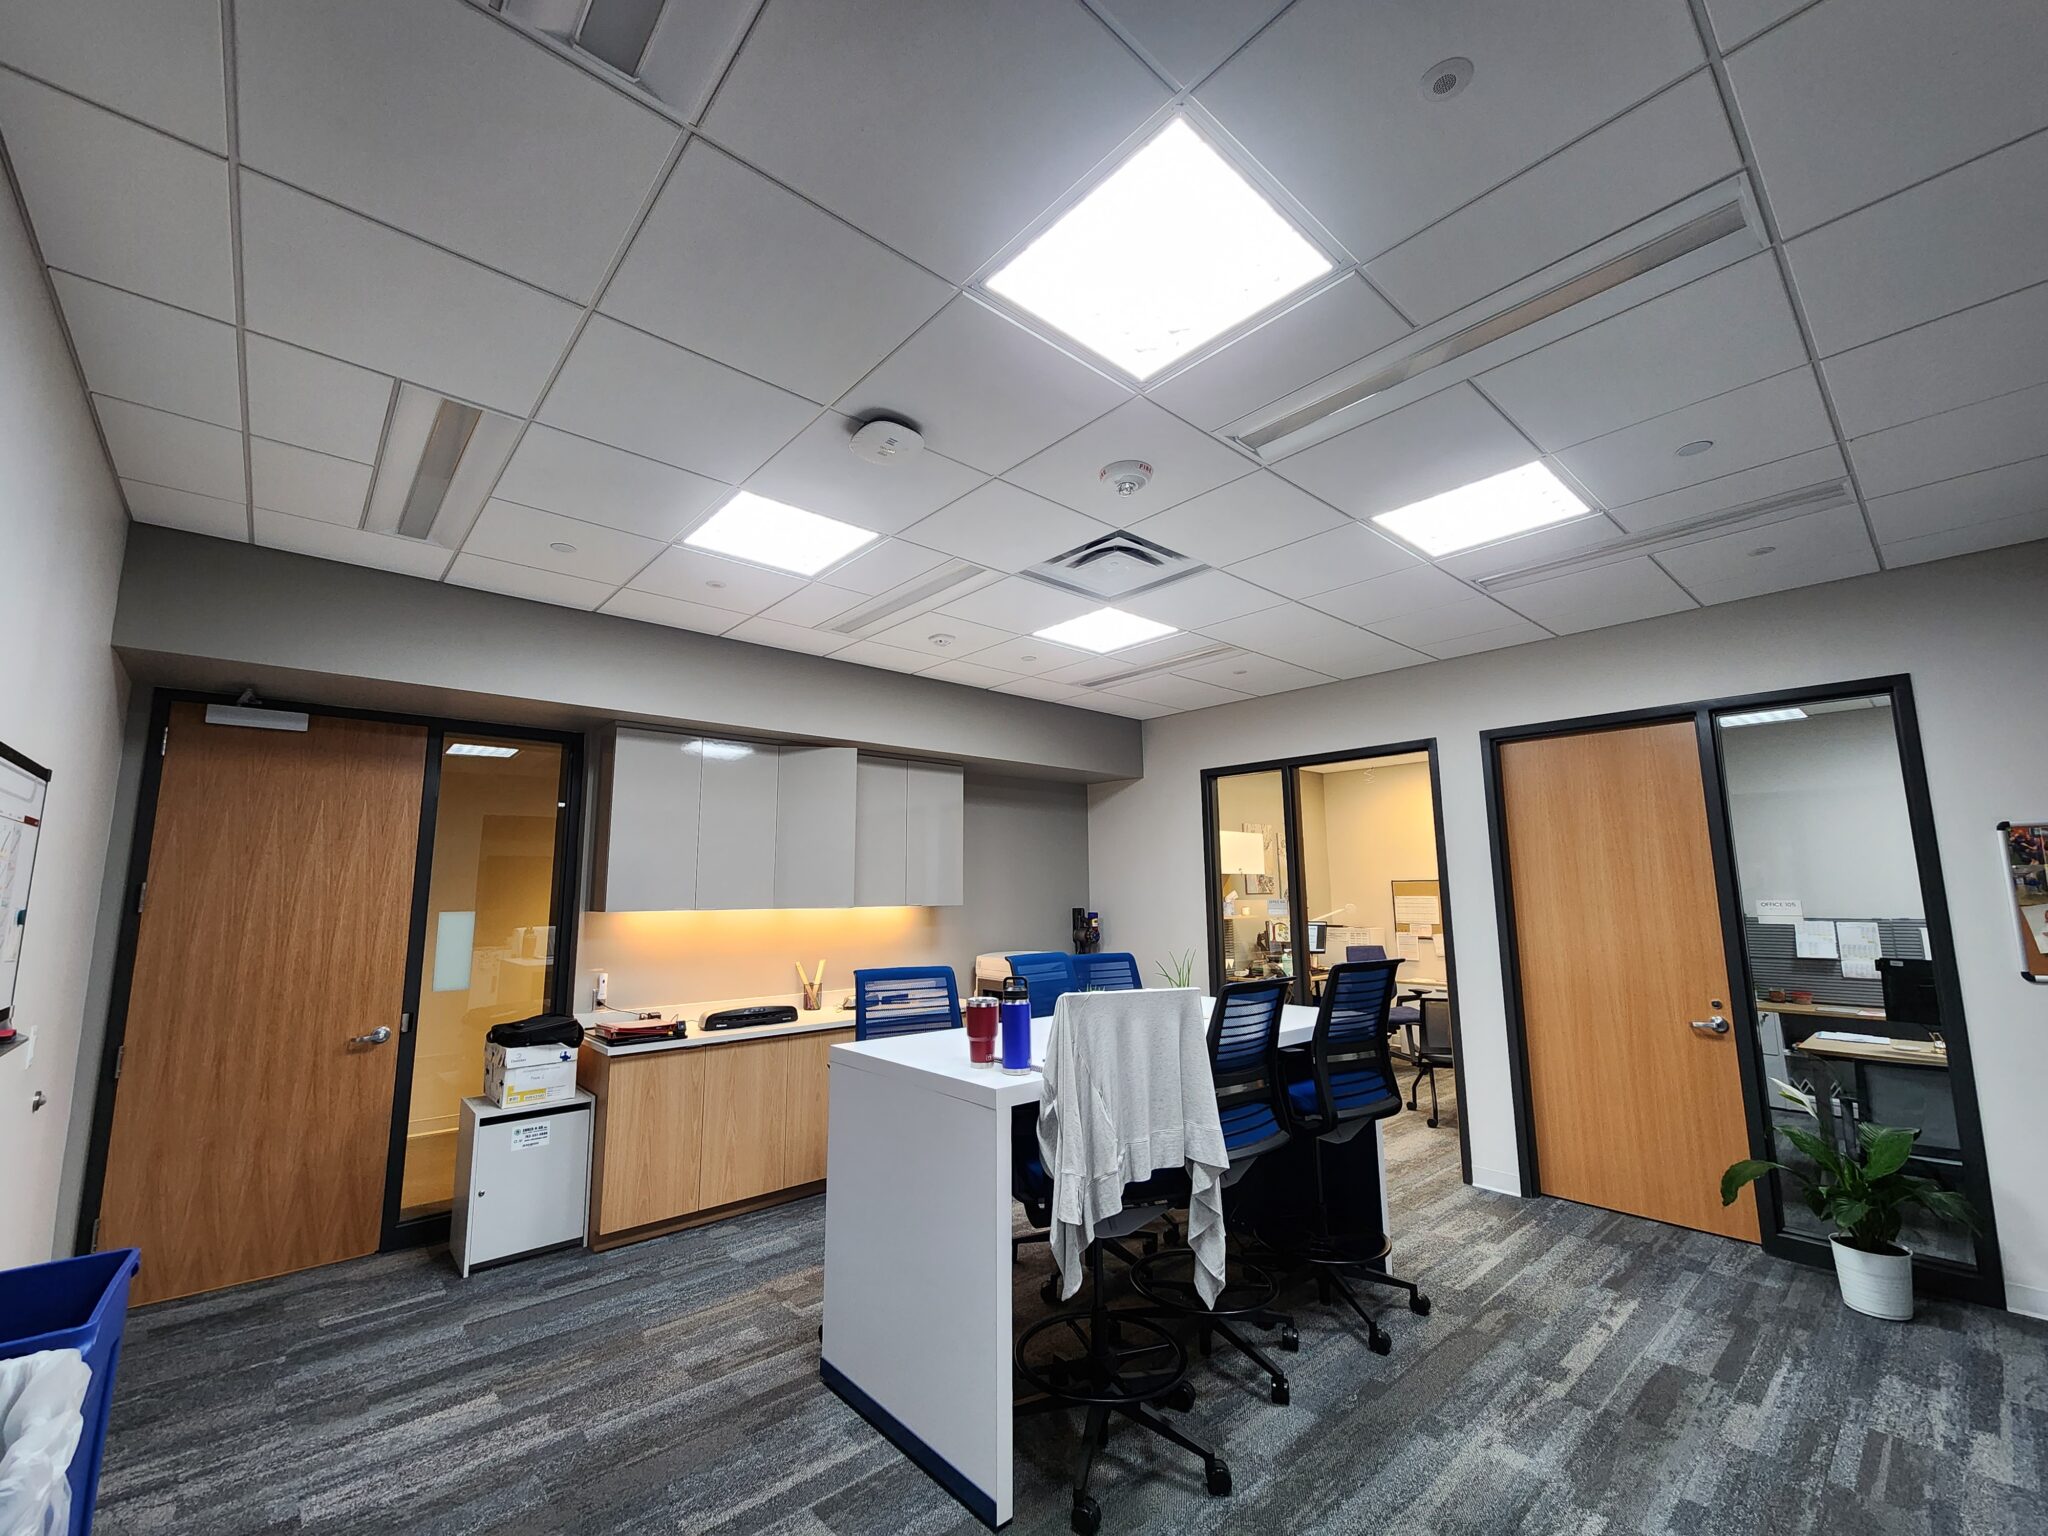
pixel 980 1014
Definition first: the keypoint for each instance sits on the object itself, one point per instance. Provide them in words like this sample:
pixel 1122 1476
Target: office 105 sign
pixel 22 787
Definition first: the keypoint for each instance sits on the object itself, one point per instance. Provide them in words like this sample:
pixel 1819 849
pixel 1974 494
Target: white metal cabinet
pixel 647 824
pixel 881 831
pixel 522 1179
pixel 816 800
pixel 934 872
pixel 736 825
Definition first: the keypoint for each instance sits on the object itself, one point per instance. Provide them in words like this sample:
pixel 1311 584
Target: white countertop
pixel 829 1017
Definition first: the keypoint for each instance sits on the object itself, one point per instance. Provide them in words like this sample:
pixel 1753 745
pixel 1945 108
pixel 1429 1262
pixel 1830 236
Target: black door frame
pixel 1984 1282
pixel 393 1233
pixel 1289 769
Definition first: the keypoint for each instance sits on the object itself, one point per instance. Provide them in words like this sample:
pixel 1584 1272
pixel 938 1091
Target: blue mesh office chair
pixel 1244 1060
pixel 1115 972
pixel 904 1000
pixel 1349 1083
pixel 1049 974
pixel 1401 1016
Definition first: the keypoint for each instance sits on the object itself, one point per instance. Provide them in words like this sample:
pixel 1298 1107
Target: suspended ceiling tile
pixel 941 636
pixel 1967 540
pixel 1959 442
pixel 1439 443
pixel 1029 656
pixel 524 581
pixel 1730 491
pixel 1325 561
pixel 137 349
pixel 119 203
pixel 1333 99
pixel 1556 542
pixel 1759 423
pixel 943 138
pixel 759 630
pixel 168 507
pixel 1988 496
pixel 893 658
pixel 1105 702
pixel 1430 629
pixel 1188 38
pixel 689 49
pixel 1315 641
pixel 699 577
pixel 634 391
pixel 1962 358
pixel 970 673
pixel 886 564
pixel 812 604
pixel 1646 159
pixel 1802 551
pixel 1853 100
pixel 1004 528
pixel 173 451
pixel 1328 330
pixel 560 472
pixel 1250 673
pixel 1737 21
pixel 1518 632
pixel 1414 589
pixel 296 396
pixel 1200 599
pixel 818 472
pixel 1968 235
pixel 983 389
pixel 307 484
pixel 156 60
pixel 1178 692
pixel 1731 327
pixel 326 279
pixel 1020 603
pixel 1610 594
pixel 353 546
pixel 1183 463
pixel 438 120
pixel 733 266
pixel 547 541
pixel 1247 517
pixel 676 613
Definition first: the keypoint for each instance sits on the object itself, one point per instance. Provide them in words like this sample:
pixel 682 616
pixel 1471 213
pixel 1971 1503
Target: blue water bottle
pixel 1016 1028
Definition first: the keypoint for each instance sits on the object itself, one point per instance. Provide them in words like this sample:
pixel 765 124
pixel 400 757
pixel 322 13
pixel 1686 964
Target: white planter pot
pixel 1875 1284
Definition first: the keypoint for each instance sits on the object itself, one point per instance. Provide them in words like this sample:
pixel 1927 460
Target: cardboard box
pixel 525 1075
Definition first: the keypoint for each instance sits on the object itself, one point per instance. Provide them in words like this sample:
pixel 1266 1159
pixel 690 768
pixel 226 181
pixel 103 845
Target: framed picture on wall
pixel 23 787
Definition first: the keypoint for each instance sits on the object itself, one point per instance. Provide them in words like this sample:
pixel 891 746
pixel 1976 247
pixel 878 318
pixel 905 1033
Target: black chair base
pixel 1337 1258
pixel 1423 1070
pixel 1167 1279
pixel 1108 1377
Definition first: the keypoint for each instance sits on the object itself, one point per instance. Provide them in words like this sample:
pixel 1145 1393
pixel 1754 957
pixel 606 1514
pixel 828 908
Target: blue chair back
pixel 1116 972
pixel 1354 1069
pixel 904 1000
pixel 1050 976
pixel 1357 952
pixel 1244 1058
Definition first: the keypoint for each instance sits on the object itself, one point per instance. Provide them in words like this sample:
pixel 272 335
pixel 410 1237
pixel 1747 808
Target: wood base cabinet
pixel 689 1135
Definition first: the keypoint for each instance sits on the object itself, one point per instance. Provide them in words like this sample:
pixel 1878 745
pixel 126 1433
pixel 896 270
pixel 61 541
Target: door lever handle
pixel 376 1036
pixel 1714 1025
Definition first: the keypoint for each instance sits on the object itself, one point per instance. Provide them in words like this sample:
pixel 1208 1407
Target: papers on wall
pixel 1408 946
pixel 1778 911
pixel 1813 940
pixel 1277 908
pixel 1859 949
pixel 1418 913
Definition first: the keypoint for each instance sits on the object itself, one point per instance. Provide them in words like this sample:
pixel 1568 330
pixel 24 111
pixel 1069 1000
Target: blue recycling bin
pixel 79 1304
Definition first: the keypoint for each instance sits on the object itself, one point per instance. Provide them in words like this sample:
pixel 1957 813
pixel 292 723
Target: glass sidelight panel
pixel 1368 865
pixel 1841 958
pixel 1253 922
pixel 488 951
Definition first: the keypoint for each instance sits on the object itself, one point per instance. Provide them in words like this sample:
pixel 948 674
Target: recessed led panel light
pixel 773 533
pixel 1105 630
pixel 1761 717
pixel 1170 250
pixel 1485 510
pixel 478 749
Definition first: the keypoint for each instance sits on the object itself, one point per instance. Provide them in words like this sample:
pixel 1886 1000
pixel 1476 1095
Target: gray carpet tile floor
pixel 1581 1373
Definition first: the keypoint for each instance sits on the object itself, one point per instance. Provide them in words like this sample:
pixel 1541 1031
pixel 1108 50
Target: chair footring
pixel 1167 1278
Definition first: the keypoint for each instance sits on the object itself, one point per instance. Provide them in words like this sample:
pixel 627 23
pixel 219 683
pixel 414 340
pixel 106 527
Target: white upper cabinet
pixel 881 832
pixel 648 794
pixel 815 813
pixel 934 863
pixel 736 825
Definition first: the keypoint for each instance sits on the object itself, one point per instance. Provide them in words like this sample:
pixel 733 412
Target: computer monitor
pixel 1909 992
pixel 1318 937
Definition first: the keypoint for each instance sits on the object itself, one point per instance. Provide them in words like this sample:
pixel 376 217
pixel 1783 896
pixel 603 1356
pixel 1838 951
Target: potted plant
pixel 1179 974
pixel 1864 1198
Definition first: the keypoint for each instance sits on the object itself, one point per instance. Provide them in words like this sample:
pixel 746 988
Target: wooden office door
pixel 1618 940
pixel 250 1137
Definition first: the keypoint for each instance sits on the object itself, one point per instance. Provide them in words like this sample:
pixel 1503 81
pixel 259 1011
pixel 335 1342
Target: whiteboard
pixel 22 789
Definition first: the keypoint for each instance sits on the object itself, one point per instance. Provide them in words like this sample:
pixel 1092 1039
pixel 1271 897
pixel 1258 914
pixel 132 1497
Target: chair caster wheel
pixel 1180 1399
pixel 1419 1305
pixel 1430 1122
pixel 1086 1519
pixel 1379 1343
pixel 1290 1340
pixel 1281 1394
pixel 1219 1480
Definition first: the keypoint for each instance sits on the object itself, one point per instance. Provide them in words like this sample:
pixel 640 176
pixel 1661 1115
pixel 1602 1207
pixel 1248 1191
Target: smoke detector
pixel 883 441
pixel 1127 477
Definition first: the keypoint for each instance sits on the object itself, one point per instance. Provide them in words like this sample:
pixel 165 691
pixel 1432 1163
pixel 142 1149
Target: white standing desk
pixel 918 1262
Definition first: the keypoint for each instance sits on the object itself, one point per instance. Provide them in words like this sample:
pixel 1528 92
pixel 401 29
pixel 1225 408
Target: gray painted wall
pixel 209 613
pixel 1971 632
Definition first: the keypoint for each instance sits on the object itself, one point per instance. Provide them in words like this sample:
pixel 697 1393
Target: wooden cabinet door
pixel 745 1117
pixel 649 1166
pixel 808 1095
